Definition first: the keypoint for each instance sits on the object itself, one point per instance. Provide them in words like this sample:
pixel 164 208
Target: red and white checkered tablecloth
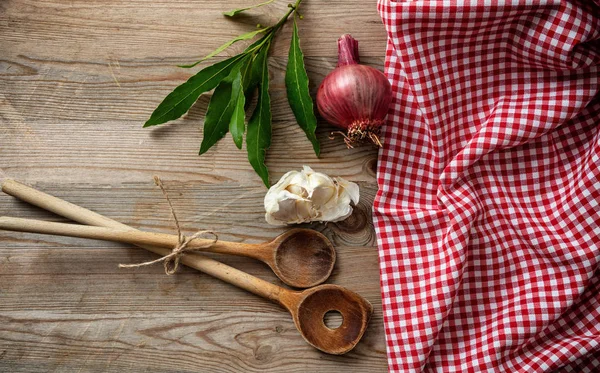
pixel 488 213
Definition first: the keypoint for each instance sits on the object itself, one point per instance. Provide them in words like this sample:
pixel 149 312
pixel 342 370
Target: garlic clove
pixel 322 187
pixel 281 207
pixel 300 179
pixel 307 170
pixel 271 220
pixel 350 188
pixel 304 211
pixel 297 190
pixel 321 195
pixel 280 185
pixel 337 213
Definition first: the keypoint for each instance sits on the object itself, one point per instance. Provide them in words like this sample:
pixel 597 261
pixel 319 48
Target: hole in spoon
pixel 333 319
pixel 309 318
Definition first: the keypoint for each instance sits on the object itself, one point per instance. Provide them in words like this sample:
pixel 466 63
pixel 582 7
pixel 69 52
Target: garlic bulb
pixel 305 196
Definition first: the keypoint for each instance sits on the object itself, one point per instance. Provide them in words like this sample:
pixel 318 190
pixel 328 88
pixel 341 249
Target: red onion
pixel 354 97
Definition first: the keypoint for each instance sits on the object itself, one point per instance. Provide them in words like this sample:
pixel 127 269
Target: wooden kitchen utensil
pixel 308 307
pixel 301 258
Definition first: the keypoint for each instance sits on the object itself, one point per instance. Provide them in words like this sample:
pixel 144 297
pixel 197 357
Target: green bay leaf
pixel 218 114
pixel 183 97
pixel 258 136
pixel 221 107
pixel 256 70
pixel 235 12
pixel 238 117
pixel 246 36
pixel 252 77
pixel 296 83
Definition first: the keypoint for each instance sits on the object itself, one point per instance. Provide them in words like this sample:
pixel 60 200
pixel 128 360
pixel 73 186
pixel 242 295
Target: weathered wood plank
pixel 168 31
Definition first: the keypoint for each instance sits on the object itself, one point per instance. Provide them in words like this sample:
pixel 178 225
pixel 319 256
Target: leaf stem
pixel 293 8
pixel 233 13
pixel 272 30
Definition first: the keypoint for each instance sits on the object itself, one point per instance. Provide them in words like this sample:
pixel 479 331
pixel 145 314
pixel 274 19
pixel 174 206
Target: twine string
pixel 171 261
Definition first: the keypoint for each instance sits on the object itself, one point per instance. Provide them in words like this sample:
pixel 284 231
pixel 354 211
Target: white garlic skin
pixel 305 196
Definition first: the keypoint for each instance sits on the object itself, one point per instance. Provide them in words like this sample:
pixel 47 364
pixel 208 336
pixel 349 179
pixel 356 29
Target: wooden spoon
pixel 308 307
pixel 300 257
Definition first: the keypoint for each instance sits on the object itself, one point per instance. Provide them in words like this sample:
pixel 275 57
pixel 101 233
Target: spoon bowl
pixel 302 257
pixel 309 313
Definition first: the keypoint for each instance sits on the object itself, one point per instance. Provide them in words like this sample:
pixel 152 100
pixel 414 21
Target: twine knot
pixel 171 261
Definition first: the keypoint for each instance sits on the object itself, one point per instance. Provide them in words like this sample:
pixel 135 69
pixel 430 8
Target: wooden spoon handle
pixel 134 237
pixel 209 266
pixel 95 233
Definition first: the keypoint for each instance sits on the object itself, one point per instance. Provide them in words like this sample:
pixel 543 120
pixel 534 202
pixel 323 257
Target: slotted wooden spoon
pixel 308 307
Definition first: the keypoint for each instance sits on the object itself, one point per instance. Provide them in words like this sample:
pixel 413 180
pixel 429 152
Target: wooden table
pixel 77 81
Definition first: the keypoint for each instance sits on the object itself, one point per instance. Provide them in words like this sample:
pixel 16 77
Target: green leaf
pixel 247 78
pixel 238 117
pixel 221 107
pixel 251 47
pixel 235 12
pixel 296 82
pixel 183 97
pixel 253 76
pixel 216 121
pixel 258 66
pixel 258 137
pixel 246 36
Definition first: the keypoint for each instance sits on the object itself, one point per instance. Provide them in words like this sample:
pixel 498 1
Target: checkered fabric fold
pixel 487 215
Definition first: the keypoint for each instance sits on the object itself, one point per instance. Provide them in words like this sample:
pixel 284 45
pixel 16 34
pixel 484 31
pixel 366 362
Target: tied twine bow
pixel 171 261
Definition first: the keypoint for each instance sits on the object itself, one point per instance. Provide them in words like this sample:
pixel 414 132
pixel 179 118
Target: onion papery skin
pixel 356 98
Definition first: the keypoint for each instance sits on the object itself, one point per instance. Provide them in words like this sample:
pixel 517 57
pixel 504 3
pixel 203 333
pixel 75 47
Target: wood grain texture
pixel 77 81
